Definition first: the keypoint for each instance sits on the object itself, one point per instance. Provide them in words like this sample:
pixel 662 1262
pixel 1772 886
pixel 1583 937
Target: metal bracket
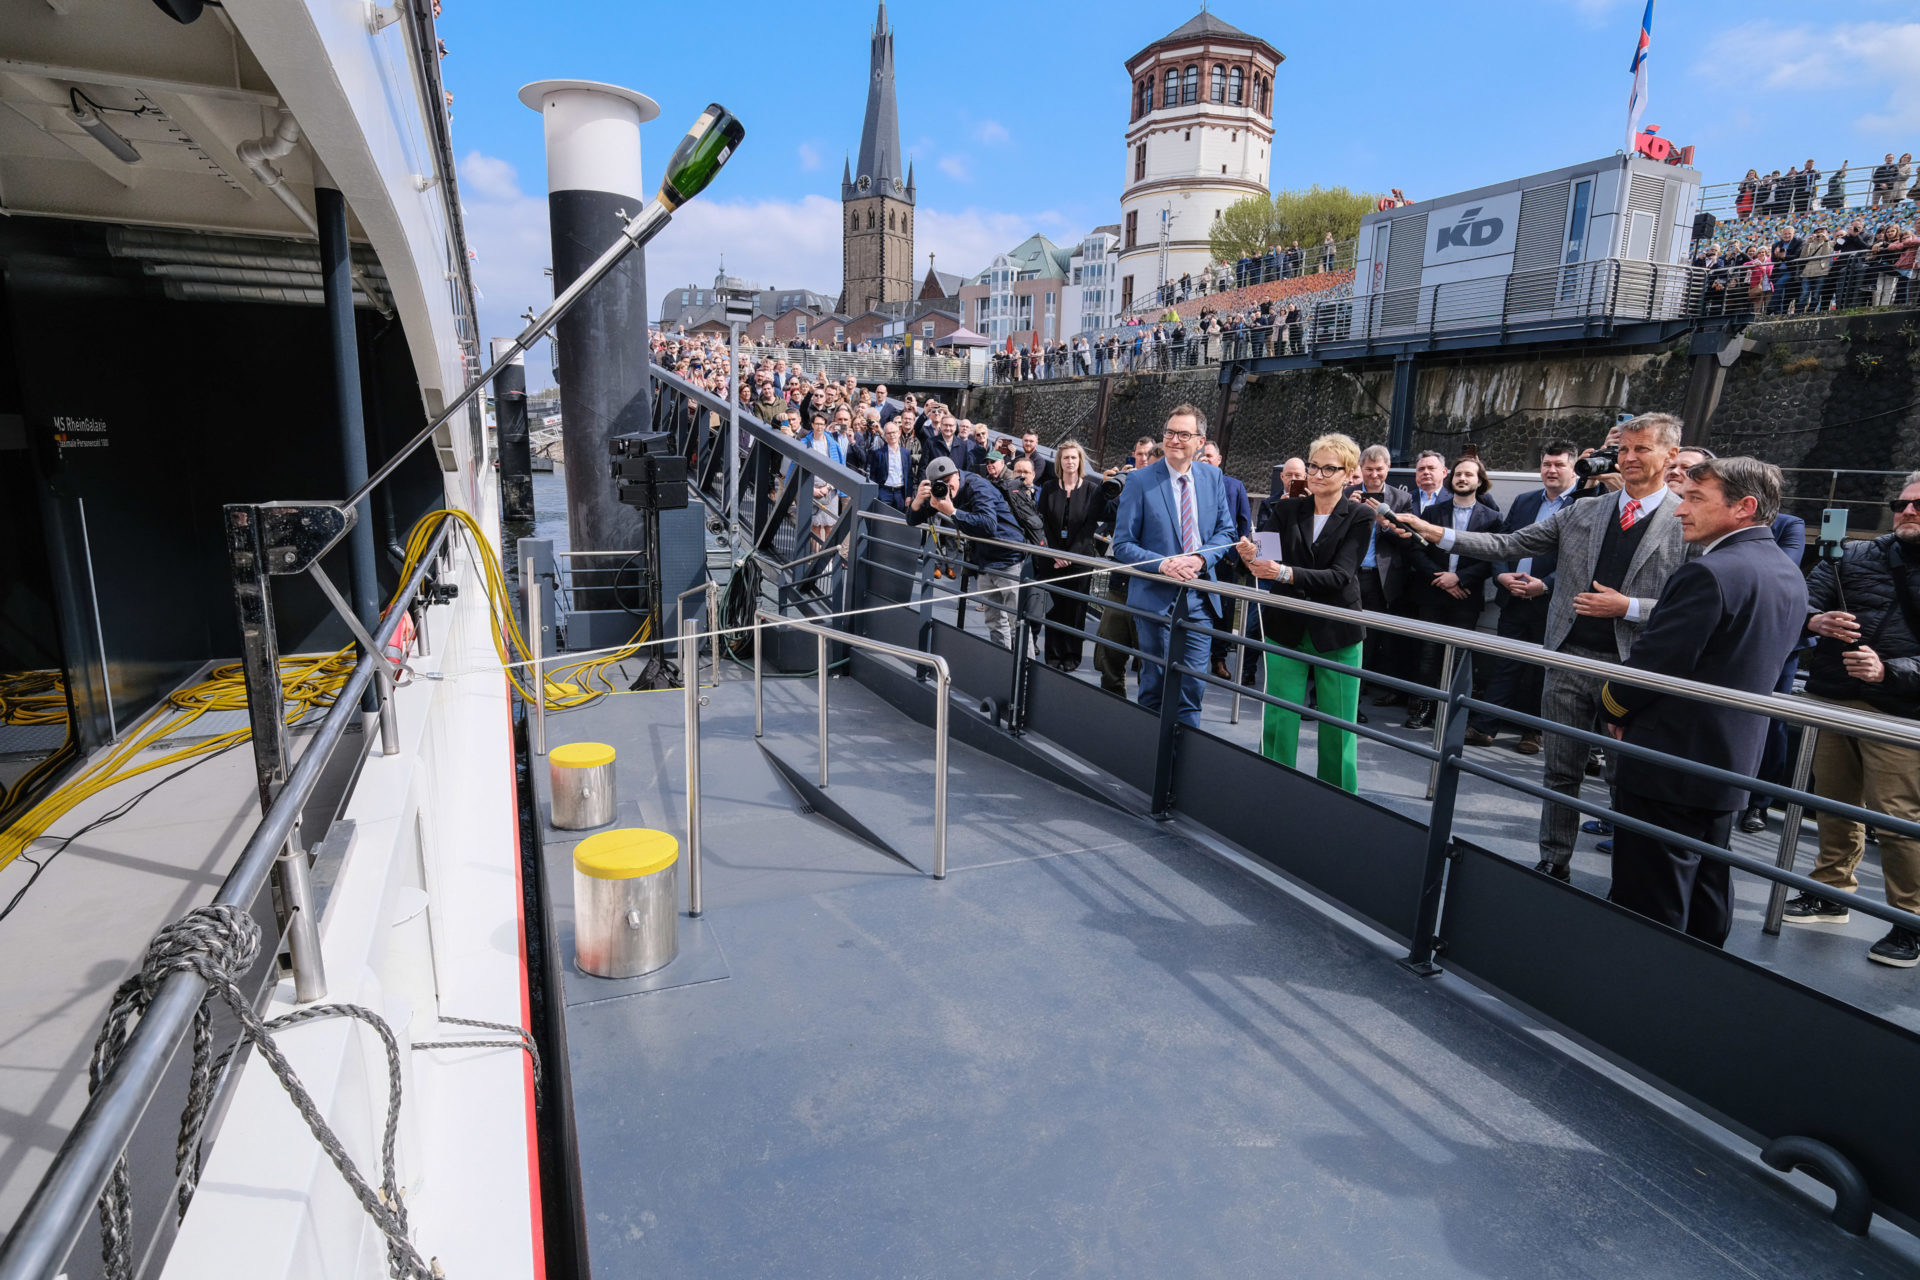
pixel 293 535
pixel 380 17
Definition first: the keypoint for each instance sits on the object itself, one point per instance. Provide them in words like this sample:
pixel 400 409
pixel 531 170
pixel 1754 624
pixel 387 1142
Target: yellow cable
pixel 307 684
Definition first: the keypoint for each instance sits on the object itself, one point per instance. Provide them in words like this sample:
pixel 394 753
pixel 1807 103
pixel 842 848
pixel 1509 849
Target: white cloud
pixel 1874 56
pixel 488 176
pixel 991 131
pixel 809 157
pixel 956 167
pixel 507 230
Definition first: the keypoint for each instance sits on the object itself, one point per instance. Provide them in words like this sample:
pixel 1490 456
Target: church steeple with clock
pixel 876 202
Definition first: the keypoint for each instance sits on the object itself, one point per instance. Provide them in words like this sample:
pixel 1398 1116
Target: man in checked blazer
pixel 1615 554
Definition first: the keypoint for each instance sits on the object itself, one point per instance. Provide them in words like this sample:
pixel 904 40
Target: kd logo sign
pixel 1468 233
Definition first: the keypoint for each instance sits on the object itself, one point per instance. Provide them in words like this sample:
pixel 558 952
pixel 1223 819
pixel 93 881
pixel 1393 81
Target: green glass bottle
pixel 707 146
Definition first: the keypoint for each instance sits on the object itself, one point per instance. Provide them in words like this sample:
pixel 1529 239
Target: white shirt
pixel 1319 523
pixel 894 479
pixel 1648 505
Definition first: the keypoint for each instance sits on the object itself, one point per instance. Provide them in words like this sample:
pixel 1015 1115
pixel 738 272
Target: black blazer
pixel 1389 552
pixel 1428 559
pixel 1326 570
pixel 1072 517
pixel 1729 617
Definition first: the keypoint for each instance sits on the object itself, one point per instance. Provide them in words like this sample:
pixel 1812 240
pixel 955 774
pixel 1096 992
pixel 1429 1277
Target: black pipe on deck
pixel 516 450
pixel 336 262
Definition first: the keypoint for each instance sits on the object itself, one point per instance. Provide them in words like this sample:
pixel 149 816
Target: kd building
pixel 1200 139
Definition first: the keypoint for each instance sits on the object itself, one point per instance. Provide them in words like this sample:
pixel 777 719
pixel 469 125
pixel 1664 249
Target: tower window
pixel 1260 93
pixel 1235 82
pixel 1170 95
pixel 1217 85
pixel 869 219
pixel 1144 100
pixel 1190 87
pixel 1223 168
pixel 853 221
pixel 889 219
pixel 1188 137
pixel 1133 228
pixel 1140 162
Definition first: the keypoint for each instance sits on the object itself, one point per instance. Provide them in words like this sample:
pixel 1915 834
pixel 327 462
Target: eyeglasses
pixel 1334 470
pixel 1900 506
pixel 1178 436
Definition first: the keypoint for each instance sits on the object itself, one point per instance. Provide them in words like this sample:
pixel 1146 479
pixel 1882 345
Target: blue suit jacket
pixel 1146 528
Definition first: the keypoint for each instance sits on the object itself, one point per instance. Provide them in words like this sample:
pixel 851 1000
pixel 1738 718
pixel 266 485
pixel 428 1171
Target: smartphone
pixel 1296 488
pixel 1833 524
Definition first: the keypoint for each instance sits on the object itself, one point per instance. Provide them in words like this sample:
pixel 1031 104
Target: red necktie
pixel 1629 514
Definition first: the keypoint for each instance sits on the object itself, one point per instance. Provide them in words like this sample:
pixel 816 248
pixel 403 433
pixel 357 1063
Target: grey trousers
pixel 1573 700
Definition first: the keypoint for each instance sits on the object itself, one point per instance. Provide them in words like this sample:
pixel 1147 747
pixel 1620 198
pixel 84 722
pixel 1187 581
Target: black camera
pixel 940 488
pixel 1601 462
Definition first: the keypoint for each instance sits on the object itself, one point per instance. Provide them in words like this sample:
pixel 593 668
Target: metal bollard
pixel 581 778
pixel 626 902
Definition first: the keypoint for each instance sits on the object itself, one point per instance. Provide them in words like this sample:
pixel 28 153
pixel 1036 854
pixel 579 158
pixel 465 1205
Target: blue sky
pixel 1015 112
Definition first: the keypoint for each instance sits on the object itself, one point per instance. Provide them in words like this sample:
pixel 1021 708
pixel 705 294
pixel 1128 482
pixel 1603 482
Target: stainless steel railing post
pixel 1790 831
pixel 1239 657
pixel 1440 711
pixel 389 717
pixel 942 691
pixel 538 668
pixel 759 720
pixel 690 681
pixel 823 708
pixel 713 625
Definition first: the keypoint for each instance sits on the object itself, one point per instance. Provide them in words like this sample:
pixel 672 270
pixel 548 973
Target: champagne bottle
pixel 707 146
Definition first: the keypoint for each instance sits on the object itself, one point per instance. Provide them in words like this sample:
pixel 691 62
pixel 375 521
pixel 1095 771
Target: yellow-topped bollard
pixel 581 775
pixel 626 902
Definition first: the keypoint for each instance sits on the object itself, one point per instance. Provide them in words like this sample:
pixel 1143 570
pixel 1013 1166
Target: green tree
pixel 1308 215
pixel 1246 228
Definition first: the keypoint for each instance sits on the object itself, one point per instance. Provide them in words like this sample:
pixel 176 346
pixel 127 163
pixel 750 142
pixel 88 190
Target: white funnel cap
pixel 593 134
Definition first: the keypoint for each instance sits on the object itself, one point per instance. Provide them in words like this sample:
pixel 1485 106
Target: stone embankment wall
pixel 1820 393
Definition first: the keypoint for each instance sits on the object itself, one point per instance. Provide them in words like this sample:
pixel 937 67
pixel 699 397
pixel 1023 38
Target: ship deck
pixel 1103 1046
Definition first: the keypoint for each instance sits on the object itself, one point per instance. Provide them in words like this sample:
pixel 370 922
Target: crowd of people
pixel 1667 560
pixel 1249 331
pixel 1804 241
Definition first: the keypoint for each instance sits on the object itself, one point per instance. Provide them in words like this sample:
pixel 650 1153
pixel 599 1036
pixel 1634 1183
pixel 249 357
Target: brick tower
pixel 877 235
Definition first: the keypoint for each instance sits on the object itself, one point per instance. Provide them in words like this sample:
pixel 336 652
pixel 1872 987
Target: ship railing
pixel 1695 1018
pixel 826 636
pixel 896 367
pixel 1590 296
pixel 62 1203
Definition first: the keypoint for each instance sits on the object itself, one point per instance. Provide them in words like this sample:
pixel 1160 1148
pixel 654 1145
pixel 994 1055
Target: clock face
pixel 865 182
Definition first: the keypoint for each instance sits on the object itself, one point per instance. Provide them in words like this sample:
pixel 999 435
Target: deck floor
pixel 1095 1049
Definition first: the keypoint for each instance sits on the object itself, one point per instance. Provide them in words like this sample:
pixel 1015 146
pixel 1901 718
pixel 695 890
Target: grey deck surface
pixel 1094 1050
pixel 1827 958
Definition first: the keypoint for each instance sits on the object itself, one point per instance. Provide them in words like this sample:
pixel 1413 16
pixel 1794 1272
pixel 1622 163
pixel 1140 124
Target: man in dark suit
pixel 1383 572
pixel 1523 588
pixel 891 467
pixel 1730 617
pixel 1449 589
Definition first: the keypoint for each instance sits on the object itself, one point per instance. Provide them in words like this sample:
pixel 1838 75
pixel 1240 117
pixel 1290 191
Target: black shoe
pixel 1359 717
pixel 1391 700
pixel 1900 948
pixel 1811 909
pixel 1754 819
pixel 1594 766
pixel 1419 715
pixel 1475 738
pixel 1596 827
pixel 1558 872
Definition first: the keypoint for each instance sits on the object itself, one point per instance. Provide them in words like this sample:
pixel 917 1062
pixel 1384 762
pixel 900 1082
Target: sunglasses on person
pixel 1900 506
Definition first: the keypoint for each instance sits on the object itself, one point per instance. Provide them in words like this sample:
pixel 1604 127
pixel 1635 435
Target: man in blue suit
pixel 1524 586
pixel 1173 519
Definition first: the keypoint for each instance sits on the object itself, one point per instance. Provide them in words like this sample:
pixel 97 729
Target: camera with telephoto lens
pixel 1601 462
pixel 940 488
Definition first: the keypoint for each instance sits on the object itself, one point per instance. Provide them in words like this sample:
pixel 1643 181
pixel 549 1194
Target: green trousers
pixel 1334 694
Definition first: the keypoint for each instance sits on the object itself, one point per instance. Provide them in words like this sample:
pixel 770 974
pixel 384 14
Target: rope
pixel 220 943
pixel 523 1039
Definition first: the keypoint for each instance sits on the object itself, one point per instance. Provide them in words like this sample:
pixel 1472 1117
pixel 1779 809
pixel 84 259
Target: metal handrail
pixel 943 684
pixel 1801 711
pixel 53 1219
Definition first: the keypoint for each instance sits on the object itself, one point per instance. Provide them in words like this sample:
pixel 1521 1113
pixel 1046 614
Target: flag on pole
pixel 1637 102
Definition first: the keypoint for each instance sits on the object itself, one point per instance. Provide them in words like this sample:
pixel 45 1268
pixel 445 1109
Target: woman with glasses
pixel 1322 538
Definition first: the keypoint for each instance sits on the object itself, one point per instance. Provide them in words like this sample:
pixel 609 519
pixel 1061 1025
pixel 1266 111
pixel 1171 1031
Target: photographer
pixel 1615 555
pixel 974 506
pixel 1868 657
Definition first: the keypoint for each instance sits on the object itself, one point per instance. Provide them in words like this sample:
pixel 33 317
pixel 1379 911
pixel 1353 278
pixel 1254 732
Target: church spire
pixel 877 173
